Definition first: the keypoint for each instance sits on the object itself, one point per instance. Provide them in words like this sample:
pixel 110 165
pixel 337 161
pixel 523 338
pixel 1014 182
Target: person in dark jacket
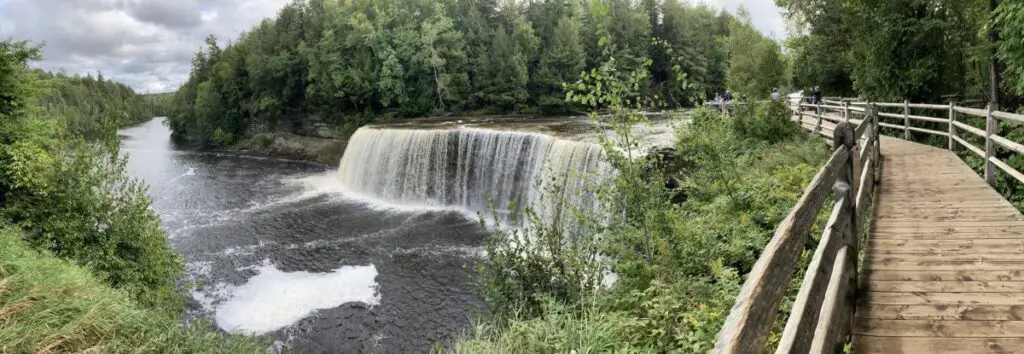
pixel 816 95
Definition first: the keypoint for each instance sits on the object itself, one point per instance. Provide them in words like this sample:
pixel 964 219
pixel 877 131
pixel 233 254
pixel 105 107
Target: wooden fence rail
pixel 953 126
pixel 825 302
pixel 822 313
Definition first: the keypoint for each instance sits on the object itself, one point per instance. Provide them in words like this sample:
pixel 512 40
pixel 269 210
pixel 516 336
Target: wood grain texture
pixel 832 327
pixel 932 345
pixel 756 308
pixel 807 306
pixel 943 269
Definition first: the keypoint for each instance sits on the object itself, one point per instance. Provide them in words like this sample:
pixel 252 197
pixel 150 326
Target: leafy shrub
pixel 678 266
pixel 72 197
pixel 525 268
pixel 765 121
pixel 221 138
pixel 94 214
pixel 49 305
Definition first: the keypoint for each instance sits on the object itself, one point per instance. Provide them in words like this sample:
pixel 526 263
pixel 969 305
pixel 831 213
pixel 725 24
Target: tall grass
pixel 50 305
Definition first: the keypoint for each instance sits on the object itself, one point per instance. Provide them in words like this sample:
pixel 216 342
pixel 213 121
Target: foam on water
pixel 329 184
pixel 274 299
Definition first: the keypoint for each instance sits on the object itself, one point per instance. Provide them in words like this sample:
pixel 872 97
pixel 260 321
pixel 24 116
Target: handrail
pixel 820 317
pixel 1009 116
pixel 824 303
pixel 990 133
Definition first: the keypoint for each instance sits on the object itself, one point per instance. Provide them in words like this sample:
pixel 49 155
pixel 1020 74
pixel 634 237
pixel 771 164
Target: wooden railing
pixel 822 313
pixel 950 126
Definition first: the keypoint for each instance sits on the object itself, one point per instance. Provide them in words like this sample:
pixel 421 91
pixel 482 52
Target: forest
pixel 93 107
pixel 350 62
pixel 922 51
pixel 84 262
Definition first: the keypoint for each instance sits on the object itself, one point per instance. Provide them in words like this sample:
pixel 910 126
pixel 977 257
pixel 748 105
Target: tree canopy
pixel 347 61
pixel 921 50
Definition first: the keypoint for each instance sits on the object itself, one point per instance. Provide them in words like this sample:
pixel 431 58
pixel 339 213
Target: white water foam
pixel 474 170
pixel 329 184
pixel 275 299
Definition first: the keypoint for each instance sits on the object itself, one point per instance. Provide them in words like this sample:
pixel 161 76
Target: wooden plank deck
pixel 942 271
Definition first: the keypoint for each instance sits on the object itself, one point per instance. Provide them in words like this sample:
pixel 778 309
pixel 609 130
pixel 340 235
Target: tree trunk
pixel 993 64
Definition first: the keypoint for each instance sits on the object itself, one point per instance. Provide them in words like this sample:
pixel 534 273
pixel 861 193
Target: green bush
pixel 89 211
pixel 48 305
pixel 221 138
pixel 71 196
pixel 525 268
pixel 769 122
pixel 678 265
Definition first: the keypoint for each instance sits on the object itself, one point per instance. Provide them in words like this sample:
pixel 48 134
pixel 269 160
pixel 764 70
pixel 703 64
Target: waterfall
pixel 477 170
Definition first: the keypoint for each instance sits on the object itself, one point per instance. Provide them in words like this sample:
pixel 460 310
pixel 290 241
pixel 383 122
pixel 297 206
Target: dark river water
pixel 278 249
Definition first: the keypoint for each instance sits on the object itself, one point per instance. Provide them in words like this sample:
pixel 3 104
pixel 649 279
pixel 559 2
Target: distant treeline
pixel 159 103
pixel 348 61
pixel 92 106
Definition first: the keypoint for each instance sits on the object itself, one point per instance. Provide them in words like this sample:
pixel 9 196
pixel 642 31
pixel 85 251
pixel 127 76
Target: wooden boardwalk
pixel 940 269
pixel 942 265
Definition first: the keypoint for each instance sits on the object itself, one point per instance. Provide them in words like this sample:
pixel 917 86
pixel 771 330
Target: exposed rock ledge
pixel 292 146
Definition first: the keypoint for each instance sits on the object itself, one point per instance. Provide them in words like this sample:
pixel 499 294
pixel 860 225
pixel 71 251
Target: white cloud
pixel 147 44
pixel 763 13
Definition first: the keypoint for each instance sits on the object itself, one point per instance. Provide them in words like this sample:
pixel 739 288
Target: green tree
pixel 508 70
pixel 1007 21
pixel 755 64
pixel 63 182
pixel 561 62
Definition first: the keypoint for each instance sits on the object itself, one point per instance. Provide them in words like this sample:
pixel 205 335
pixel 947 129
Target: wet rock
pixel 673 166
pixel 287 145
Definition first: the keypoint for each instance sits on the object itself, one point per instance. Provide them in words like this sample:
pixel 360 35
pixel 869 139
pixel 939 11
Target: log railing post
pixel 800 110
pixel 952 127
pixel 990 148
pixel 906 120
pixel 846 110
pixel 817 126
pixel 877 128
pixel 845 135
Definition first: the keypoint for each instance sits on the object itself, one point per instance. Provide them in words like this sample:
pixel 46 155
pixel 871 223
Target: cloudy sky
pixel 148 44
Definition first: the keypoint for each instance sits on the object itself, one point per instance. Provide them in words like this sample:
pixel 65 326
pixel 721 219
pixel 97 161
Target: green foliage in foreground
pixel 48 305
pixel 84 263
pixel 678 266
pixel 67 188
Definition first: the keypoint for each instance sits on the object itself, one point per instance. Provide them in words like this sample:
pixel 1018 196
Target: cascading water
pixel 477 170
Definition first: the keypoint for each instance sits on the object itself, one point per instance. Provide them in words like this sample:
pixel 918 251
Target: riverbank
pixel 50 305
pixel 297 147
pixel 329 147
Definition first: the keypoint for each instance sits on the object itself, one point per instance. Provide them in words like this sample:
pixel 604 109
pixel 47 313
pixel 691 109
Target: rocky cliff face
pixel 323 150
pixel 297 137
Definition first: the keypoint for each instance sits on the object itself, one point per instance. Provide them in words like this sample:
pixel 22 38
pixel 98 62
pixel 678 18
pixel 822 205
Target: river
pixel 276 248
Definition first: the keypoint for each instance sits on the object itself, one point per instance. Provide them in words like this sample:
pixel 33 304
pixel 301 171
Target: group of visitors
pixel 721 101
